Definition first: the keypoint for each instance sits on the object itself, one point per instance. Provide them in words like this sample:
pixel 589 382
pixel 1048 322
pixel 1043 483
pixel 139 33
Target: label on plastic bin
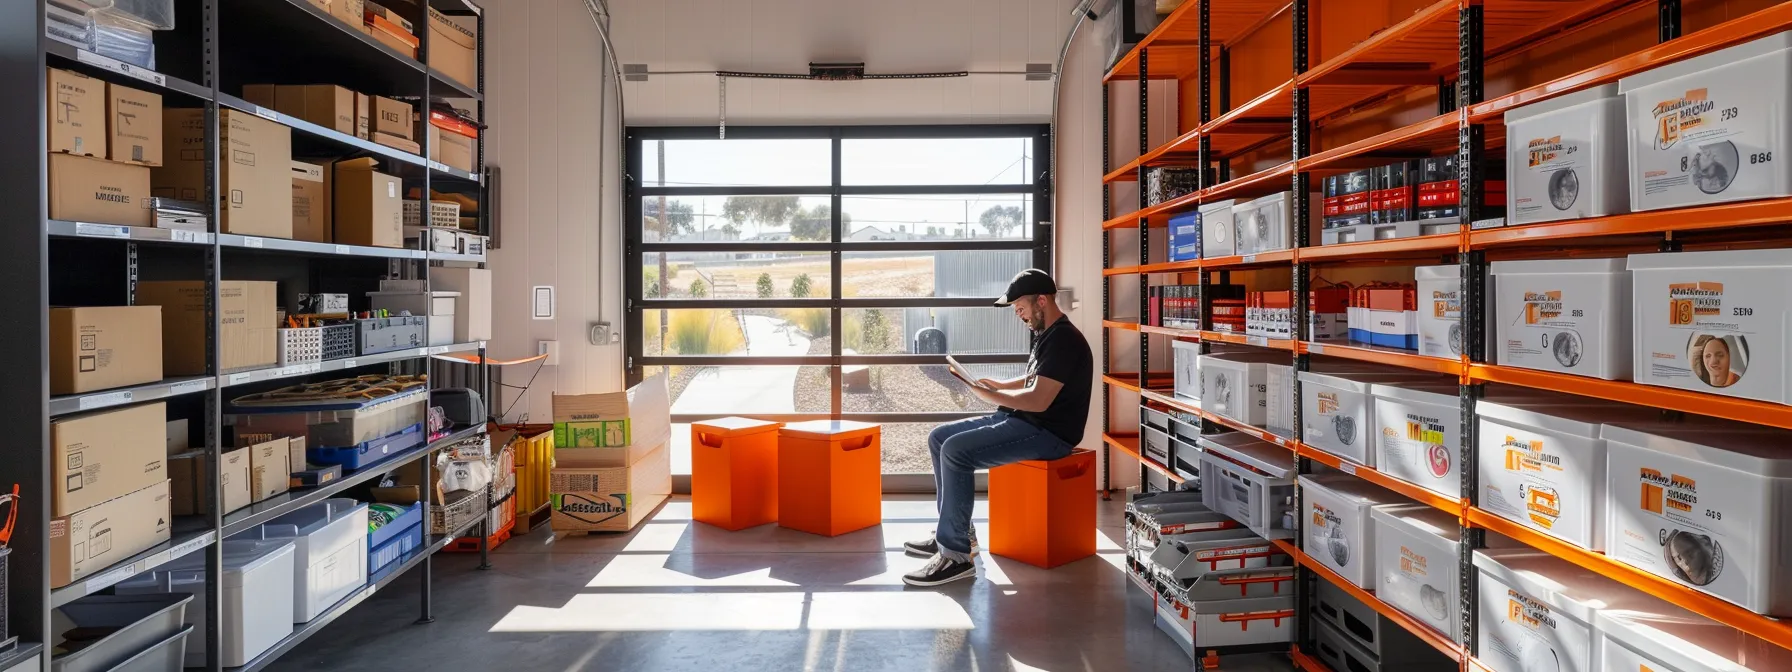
pixel 103 400
pixel 348 363
pixel 120 67
pixel 101 230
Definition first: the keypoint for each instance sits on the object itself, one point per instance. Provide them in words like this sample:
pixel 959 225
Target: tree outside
pixel 799 287
pixel 1001 219
pixel 765 286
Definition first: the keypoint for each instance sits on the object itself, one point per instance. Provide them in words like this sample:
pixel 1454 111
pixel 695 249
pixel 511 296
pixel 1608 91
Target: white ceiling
pixel 889 36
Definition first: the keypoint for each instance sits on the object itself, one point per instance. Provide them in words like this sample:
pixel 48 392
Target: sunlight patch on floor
pixel 918 610
pixel 650 571
pixel 657 538
pixel 641 612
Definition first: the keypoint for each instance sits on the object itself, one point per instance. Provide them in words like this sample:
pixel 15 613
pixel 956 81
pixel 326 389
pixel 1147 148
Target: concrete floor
pixel 677 595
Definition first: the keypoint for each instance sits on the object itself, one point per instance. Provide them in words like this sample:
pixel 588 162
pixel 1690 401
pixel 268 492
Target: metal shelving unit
pixel 1446 45
pixel 216 48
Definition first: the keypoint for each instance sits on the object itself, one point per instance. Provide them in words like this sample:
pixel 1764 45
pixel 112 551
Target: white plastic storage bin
pixel 1565 158
pixel 1154 444
pixel 1185 557
pixel 1714 321
pixel 329 553
pixel 1440 310
pixel 1416 563
pixel 1537 611
pixel 1231 608
pixel 1711 129
pixel 1263 225
pixel 1250 480
pixel 1278 399
pixel 1706 506
pixel 437 306
pixel 1419 435
pixel 1571 316
pixel 1187 375
pixel 1339 531
pixel 258 595
pixel 1217 235
pixel 1233 385
pixel 1337 411
pixel 1662 637
pixel 1542 464
pixel 1388 641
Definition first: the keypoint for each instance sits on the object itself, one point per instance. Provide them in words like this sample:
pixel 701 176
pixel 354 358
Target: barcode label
pixel 342 249
pixel 109 579
pixel 251 241
pixel 348 363
pixel 301 369
pixel 120 67
pixel 183 236
pixel 1250 258
pixel 237 378
pixel 1347 467
pixel 422 352
pixel 104 400
pixel 266 113
pixel 101 230
pixel 1316 348
pixel 190 545
pixel 1258 341
pixel 437 350
pixel 437 165
pixel 186 387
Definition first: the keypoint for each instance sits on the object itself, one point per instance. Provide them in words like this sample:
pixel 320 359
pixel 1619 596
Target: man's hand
pixel 991 383
pixel 1034 398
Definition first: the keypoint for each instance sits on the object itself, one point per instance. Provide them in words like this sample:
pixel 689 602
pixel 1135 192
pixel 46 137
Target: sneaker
pixel 940 570
pixel 927 548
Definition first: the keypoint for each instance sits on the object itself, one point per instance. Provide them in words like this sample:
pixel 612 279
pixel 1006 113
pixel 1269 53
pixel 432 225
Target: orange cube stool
pixel 830 475
pixel 734 472
pixel 1043 512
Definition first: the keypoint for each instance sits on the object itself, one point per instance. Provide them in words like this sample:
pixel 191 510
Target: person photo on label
pixel 1695 558
pixel 1719 361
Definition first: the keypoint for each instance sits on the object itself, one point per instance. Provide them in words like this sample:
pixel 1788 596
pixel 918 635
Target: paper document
pixel 963 374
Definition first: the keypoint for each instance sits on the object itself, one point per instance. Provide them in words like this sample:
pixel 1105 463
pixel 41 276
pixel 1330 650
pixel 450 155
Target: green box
pixel 595 434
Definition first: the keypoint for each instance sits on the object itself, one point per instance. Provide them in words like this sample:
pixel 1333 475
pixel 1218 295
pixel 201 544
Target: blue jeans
pixel 959 449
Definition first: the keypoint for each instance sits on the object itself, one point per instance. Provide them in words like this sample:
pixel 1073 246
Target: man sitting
pixel 1041 417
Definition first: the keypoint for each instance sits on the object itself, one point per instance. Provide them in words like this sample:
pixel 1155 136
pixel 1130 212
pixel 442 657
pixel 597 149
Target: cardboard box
pixel 295 455
pixel 247 323
pixel 186 474
pixel 96 348
pixel 134 134
pixel 453 49
pixel 95 190
pixel 100 456
pixel 396 142
pixel 269 468
pixel 451 148
pixel 363 116
pixel 178 432
pixel 369 210
pixel 265 95
pixel 310 203
pixel 92 540
pixel 326 105
pixel 392 116
pixel 350 12
pixel 77 113
pixel 392 35
pixel 473 313
pixel 255 169
pixel 612 499
pixel 612 429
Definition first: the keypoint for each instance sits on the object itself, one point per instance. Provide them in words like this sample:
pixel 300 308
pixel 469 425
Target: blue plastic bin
pixel 393 540
pixel 1185 236
pixel 370 452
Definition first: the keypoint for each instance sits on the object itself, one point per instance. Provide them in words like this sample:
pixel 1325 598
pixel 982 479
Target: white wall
pixel 558 201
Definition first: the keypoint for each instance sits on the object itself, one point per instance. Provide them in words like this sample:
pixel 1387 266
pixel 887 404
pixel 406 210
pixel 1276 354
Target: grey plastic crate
pixel 145 623
pixel 386 334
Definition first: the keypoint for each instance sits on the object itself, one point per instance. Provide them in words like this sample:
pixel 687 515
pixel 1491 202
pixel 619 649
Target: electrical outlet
pixel 601 334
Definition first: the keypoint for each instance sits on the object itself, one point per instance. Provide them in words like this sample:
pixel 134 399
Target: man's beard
pixel 1036 323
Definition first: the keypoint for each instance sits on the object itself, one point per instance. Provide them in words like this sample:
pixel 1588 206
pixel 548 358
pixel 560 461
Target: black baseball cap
pixel 1027 283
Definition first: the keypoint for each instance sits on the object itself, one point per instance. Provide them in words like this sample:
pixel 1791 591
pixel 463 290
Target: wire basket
pixel 451 517
pixel 338 341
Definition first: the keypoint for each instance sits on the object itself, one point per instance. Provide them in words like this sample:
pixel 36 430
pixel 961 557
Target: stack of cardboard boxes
pixel 611 463
pixel 109 489
pixel 103 140
pixel 453 44
pixel 338 201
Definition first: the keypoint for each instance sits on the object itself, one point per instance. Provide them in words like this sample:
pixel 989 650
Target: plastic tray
pixel 393 540
pixel 369 452
pixel 148 626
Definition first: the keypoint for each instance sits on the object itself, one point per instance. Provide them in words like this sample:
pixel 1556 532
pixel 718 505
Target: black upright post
pixel 1471 176
pixel 1300 202
pixel 1144 240
pixel 214 398
pixel 1667 19
pixel 1107 294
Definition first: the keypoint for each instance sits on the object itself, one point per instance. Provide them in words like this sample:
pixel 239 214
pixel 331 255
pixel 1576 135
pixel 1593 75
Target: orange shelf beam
pixel 1155 157
pixel 1179 203
pixel 1176 40
pixel 1117 324
pixel 1189 266
pixel 1130 380
pixel 1726 216
pixel 1170 331
pixel 1405 54
pixel 1161 397
pixel 1391 249
pixel 1421 495
pixel 1405 359
pixel 1240 260
pixel 1129 220
pixel 1698 403
pixel 1307 663
pixel 1129 444
pixel 1120 270
pixel 1260 183
pixel 1436 639
pixel 1727 34
pixel 1241 339
pixel 1423 138
pixel 1770 629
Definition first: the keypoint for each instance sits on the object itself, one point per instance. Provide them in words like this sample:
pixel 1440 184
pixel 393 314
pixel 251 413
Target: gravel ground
pixel 894 389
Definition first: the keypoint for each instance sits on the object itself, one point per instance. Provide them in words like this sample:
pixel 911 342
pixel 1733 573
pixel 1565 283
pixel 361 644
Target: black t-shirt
pixel 1062 354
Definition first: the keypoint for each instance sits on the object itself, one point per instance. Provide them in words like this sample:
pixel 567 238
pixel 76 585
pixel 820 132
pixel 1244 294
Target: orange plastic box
pixel 734 472
pixel 830 476
pixel 1043 512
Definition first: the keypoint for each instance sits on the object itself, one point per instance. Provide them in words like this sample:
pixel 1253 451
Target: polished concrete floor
pixel 677 595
